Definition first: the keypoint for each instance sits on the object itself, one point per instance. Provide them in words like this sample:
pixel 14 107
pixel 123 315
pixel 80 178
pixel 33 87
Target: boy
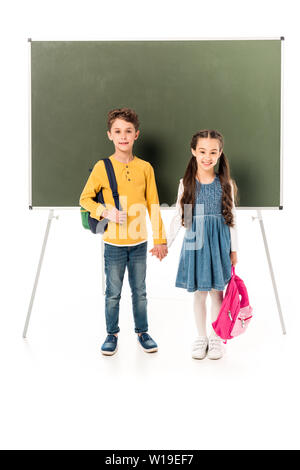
pixel 126 235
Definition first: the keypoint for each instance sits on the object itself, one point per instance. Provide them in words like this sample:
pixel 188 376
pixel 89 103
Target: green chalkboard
pixel 177 88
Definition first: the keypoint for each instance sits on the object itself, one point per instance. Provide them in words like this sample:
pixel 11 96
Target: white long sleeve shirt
pixel 176 224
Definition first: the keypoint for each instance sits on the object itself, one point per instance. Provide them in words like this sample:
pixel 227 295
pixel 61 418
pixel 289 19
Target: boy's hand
pixel 114 215
pixel 160 251
pixel 233 257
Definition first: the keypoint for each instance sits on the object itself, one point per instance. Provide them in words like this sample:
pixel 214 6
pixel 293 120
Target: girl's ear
pixel 193 152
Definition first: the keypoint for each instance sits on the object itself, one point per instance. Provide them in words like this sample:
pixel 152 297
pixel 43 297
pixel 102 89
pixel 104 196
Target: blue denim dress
pixel 204 262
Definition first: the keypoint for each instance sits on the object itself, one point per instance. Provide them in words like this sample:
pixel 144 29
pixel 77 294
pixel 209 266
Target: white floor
pixel 58 391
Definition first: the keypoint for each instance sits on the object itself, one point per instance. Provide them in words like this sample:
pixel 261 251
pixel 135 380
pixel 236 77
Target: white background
pixel 57 391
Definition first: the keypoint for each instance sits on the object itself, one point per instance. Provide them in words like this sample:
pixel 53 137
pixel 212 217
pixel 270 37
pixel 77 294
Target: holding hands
pixel 160 251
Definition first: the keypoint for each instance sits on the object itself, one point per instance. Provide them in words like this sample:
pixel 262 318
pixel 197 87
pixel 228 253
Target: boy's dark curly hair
pixel 126 114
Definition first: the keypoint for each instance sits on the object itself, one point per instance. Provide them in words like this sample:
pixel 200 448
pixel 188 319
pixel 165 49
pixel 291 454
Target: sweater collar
pixel 121 163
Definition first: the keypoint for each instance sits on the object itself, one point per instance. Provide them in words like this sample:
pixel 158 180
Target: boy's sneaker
pixel 200 346
pixel 110 345
pixel 215 348
pixel 147 343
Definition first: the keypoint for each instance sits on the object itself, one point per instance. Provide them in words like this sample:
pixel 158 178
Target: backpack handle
pixel 244 302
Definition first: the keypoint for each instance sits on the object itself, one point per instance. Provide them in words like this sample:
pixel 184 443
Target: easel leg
pixel 261 223
pixel 50 217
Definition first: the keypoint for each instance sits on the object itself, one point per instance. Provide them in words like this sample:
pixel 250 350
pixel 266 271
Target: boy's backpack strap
pixel 112 181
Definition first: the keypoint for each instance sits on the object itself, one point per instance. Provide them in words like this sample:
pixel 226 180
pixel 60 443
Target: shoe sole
pixel 149 350
pixel 109 353
pixel 199 358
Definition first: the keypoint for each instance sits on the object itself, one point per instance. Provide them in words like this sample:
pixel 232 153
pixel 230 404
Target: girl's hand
pixel 160 251
pixel 114 215
pixel 233 257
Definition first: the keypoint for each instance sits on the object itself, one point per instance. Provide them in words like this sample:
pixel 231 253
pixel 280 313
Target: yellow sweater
pixel 137 191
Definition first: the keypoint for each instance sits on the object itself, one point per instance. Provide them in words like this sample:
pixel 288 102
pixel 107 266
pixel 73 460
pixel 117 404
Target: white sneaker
pixel 199 348
pixel 215 348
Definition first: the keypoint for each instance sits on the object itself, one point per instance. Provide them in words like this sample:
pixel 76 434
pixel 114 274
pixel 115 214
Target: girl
pixel 205 207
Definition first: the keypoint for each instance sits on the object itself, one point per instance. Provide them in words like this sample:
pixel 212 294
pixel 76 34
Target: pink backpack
pixel 235 313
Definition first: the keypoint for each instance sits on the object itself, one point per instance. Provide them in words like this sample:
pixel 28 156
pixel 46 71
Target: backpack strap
pixel 112 182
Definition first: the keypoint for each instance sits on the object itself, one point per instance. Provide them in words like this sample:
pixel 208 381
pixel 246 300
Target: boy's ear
pixel 109 135
pixel 137 134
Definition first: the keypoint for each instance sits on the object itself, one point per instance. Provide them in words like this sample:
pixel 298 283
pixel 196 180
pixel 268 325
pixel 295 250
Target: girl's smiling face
pixel 207 153
pixel 123 135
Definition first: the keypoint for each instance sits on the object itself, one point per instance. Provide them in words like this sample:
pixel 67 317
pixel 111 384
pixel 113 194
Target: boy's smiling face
pixel 123 135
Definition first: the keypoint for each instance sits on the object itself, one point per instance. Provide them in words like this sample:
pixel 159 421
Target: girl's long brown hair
pixel 189 179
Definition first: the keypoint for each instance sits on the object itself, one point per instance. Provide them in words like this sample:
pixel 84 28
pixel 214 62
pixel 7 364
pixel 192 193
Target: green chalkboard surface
pixel 177 88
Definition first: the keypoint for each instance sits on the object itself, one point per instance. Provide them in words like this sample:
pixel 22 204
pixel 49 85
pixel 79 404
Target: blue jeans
pixel 116 259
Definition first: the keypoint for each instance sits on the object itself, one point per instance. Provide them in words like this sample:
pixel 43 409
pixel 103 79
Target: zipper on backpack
pixel 243 320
